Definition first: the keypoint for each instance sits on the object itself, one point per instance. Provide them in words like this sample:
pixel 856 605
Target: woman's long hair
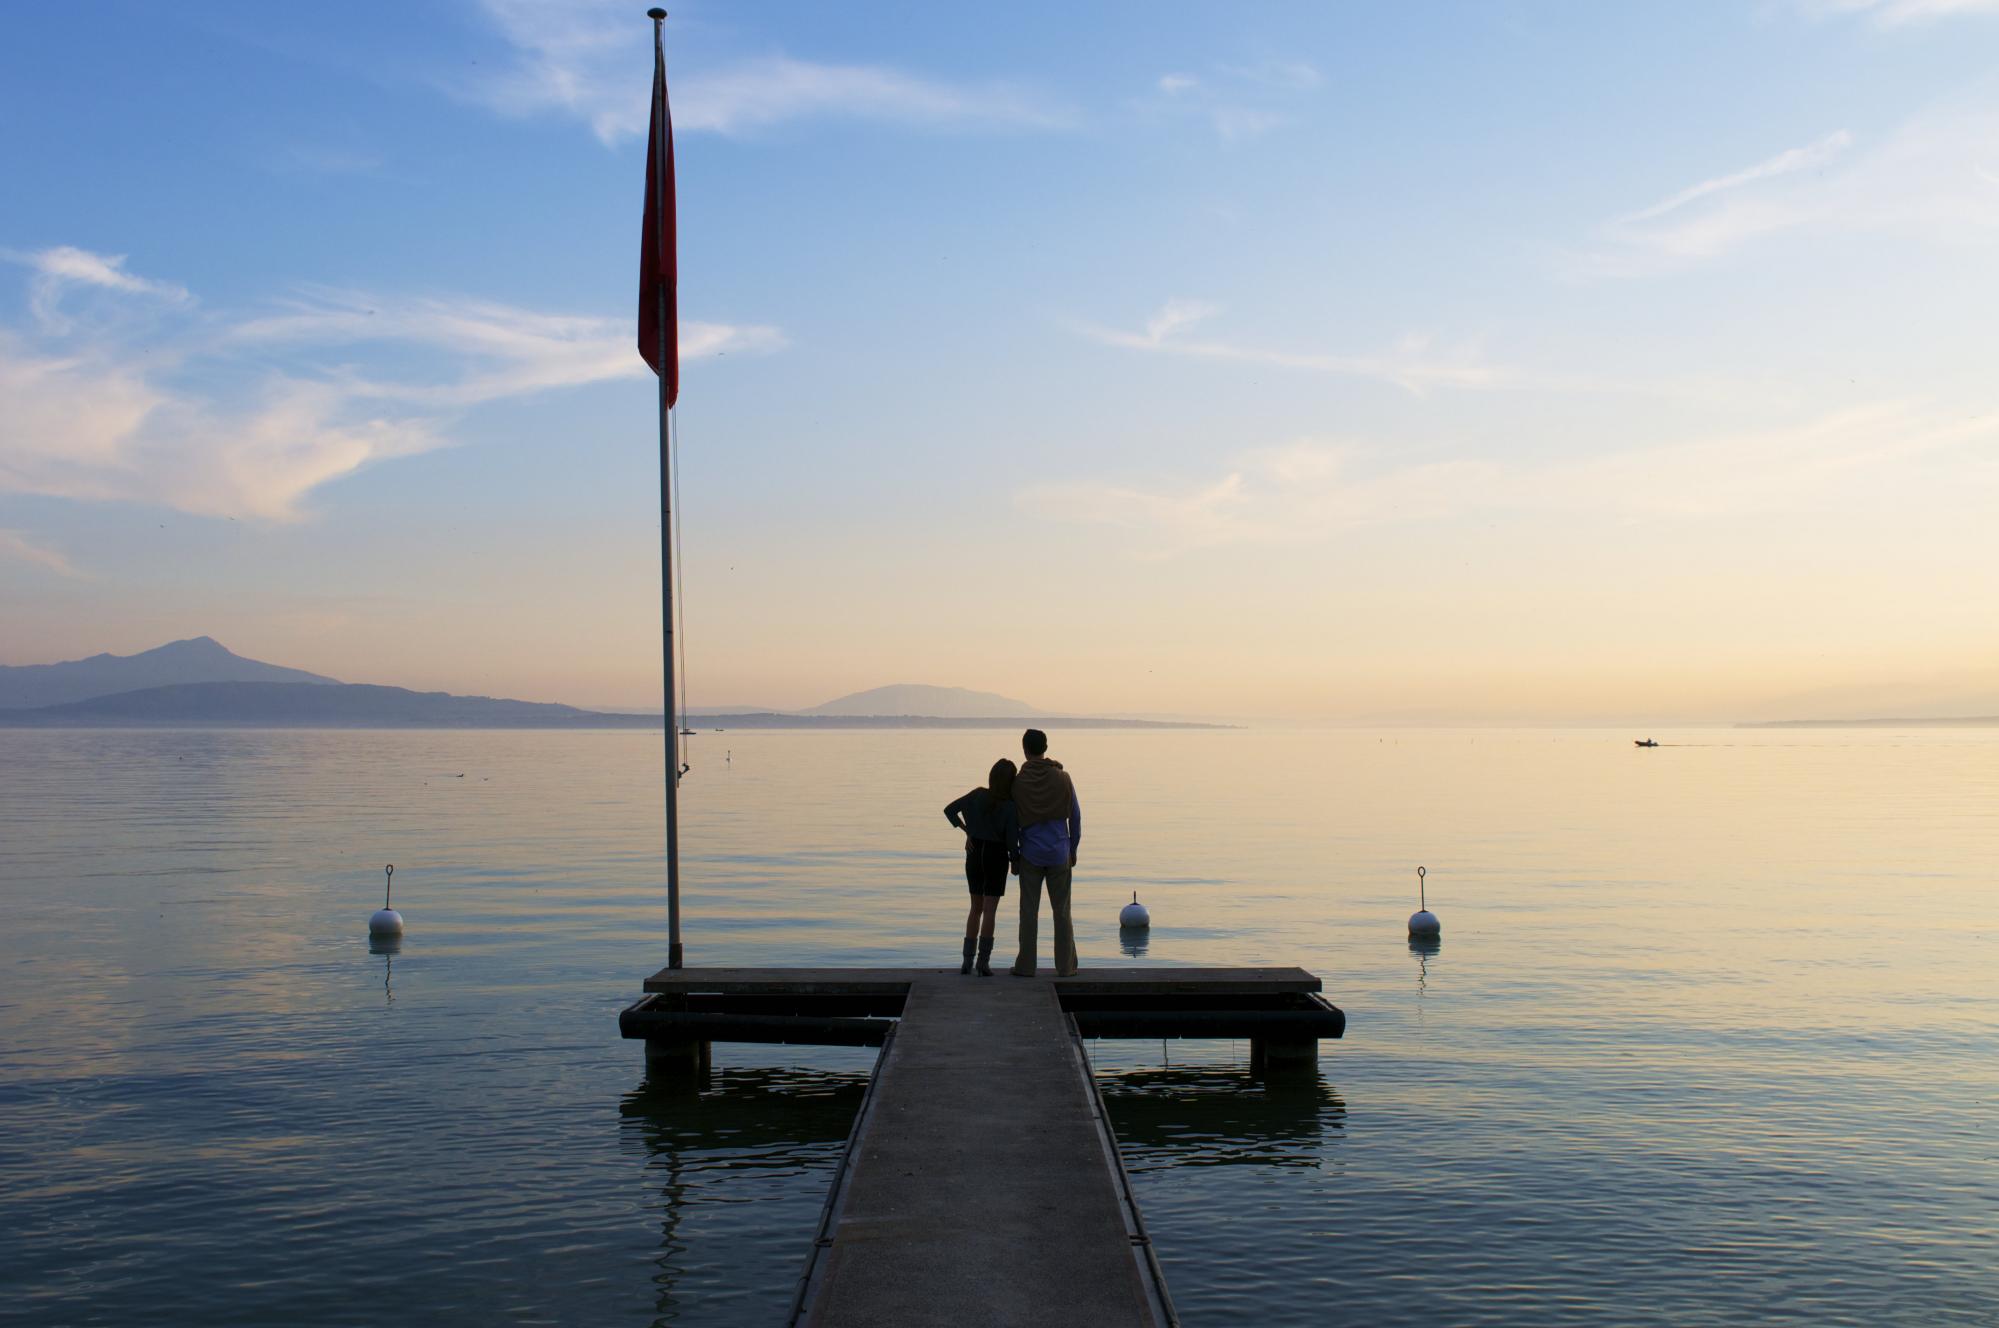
pixel 1000 782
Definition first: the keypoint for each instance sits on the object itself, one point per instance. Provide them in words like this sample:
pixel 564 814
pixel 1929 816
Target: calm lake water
pixel 1712 1036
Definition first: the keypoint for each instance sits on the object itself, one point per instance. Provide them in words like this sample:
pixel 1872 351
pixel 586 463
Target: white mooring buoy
pixel 1423 922
pixel 385 921
pixel 1134 914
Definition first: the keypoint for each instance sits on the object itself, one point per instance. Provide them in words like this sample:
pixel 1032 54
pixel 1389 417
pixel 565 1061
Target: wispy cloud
pixel 65 267
pixel 499 350
pixel 221 416
pixel 1784 163
pixel 16 545
pixel 1289 75
pixel 587 60
pixel 1412 363
pixel 1894 13
pixel 1238 101
pixel 762 92
pixel 1172 316
pixel 1312 489
pixel 1298 493
pixel 94 426
pixel 1240 122
pixel 1933 179
pixel 310 159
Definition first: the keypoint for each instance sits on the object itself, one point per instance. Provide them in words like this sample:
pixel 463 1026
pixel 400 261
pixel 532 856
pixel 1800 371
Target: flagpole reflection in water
pixel 741 1157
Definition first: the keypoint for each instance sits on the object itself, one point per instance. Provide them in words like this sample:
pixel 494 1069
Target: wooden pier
pixel 981 1183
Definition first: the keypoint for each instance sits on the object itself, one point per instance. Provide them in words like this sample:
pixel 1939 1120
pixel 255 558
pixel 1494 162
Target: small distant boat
pixel 687 733
pixel 1643 742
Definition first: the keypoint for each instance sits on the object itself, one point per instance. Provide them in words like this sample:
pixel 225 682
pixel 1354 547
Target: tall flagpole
pixel 662 182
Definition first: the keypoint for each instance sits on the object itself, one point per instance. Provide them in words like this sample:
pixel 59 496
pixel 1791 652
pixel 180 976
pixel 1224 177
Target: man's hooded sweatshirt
pixel 1051 820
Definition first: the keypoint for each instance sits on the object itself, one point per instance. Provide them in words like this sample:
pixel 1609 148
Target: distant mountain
pixel 200 683
pixel 314 705
pixel 358 705
pixel 908 698
pixel 202 659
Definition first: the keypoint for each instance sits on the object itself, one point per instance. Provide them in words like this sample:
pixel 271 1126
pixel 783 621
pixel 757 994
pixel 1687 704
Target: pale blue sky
pixel 1507 360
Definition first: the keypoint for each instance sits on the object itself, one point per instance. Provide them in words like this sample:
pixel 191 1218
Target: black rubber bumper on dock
pixel 730 1019
pixel 856 1007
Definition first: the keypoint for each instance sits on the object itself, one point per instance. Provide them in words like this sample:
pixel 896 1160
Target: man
pixel 1051 825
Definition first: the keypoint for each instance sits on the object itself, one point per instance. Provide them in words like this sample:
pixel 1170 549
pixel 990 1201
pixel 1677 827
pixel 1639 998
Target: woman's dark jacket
pixel 981 817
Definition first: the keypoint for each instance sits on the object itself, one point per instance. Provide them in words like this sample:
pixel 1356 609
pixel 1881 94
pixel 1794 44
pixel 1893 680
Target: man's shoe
pixel 966 967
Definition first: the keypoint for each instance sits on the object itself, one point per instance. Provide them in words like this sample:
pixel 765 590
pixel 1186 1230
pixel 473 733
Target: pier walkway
pixel 981 1183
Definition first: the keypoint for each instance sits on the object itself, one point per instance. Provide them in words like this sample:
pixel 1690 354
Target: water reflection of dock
pixel 702 1133
pixel 1204 1116
pixel 981 1181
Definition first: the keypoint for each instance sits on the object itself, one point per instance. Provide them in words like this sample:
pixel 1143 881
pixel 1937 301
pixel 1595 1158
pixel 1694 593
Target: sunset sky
pixel 1349 362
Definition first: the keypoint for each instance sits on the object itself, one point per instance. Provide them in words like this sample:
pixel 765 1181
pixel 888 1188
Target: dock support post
pixel 1283 1056
pixel 671 1058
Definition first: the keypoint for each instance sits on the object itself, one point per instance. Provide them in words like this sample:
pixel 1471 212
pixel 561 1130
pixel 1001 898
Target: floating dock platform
pixel 981 1184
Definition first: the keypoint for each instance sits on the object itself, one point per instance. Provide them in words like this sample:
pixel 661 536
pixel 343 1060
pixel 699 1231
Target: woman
pixel 992 833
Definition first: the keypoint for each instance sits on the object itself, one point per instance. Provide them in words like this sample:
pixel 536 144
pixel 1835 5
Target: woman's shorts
pixel 985 867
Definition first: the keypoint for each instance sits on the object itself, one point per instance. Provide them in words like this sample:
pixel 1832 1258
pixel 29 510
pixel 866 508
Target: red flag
pixel 658 258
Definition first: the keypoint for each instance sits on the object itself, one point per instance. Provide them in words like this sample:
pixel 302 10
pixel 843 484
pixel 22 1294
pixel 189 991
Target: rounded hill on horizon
pixel 312 705
pixel 199 659
pixel 927 701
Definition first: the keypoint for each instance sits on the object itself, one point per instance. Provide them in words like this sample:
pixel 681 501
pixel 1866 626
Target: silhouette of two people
pixel 1028 821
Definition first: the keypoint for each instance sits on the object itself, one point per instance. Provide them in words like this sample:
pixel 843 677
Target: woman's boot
pixel 985 956
pixel 966 967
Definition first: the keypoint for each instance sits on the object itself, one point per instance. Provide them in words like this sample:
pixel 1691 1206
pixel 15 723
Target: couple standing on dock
pixel 1027 821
